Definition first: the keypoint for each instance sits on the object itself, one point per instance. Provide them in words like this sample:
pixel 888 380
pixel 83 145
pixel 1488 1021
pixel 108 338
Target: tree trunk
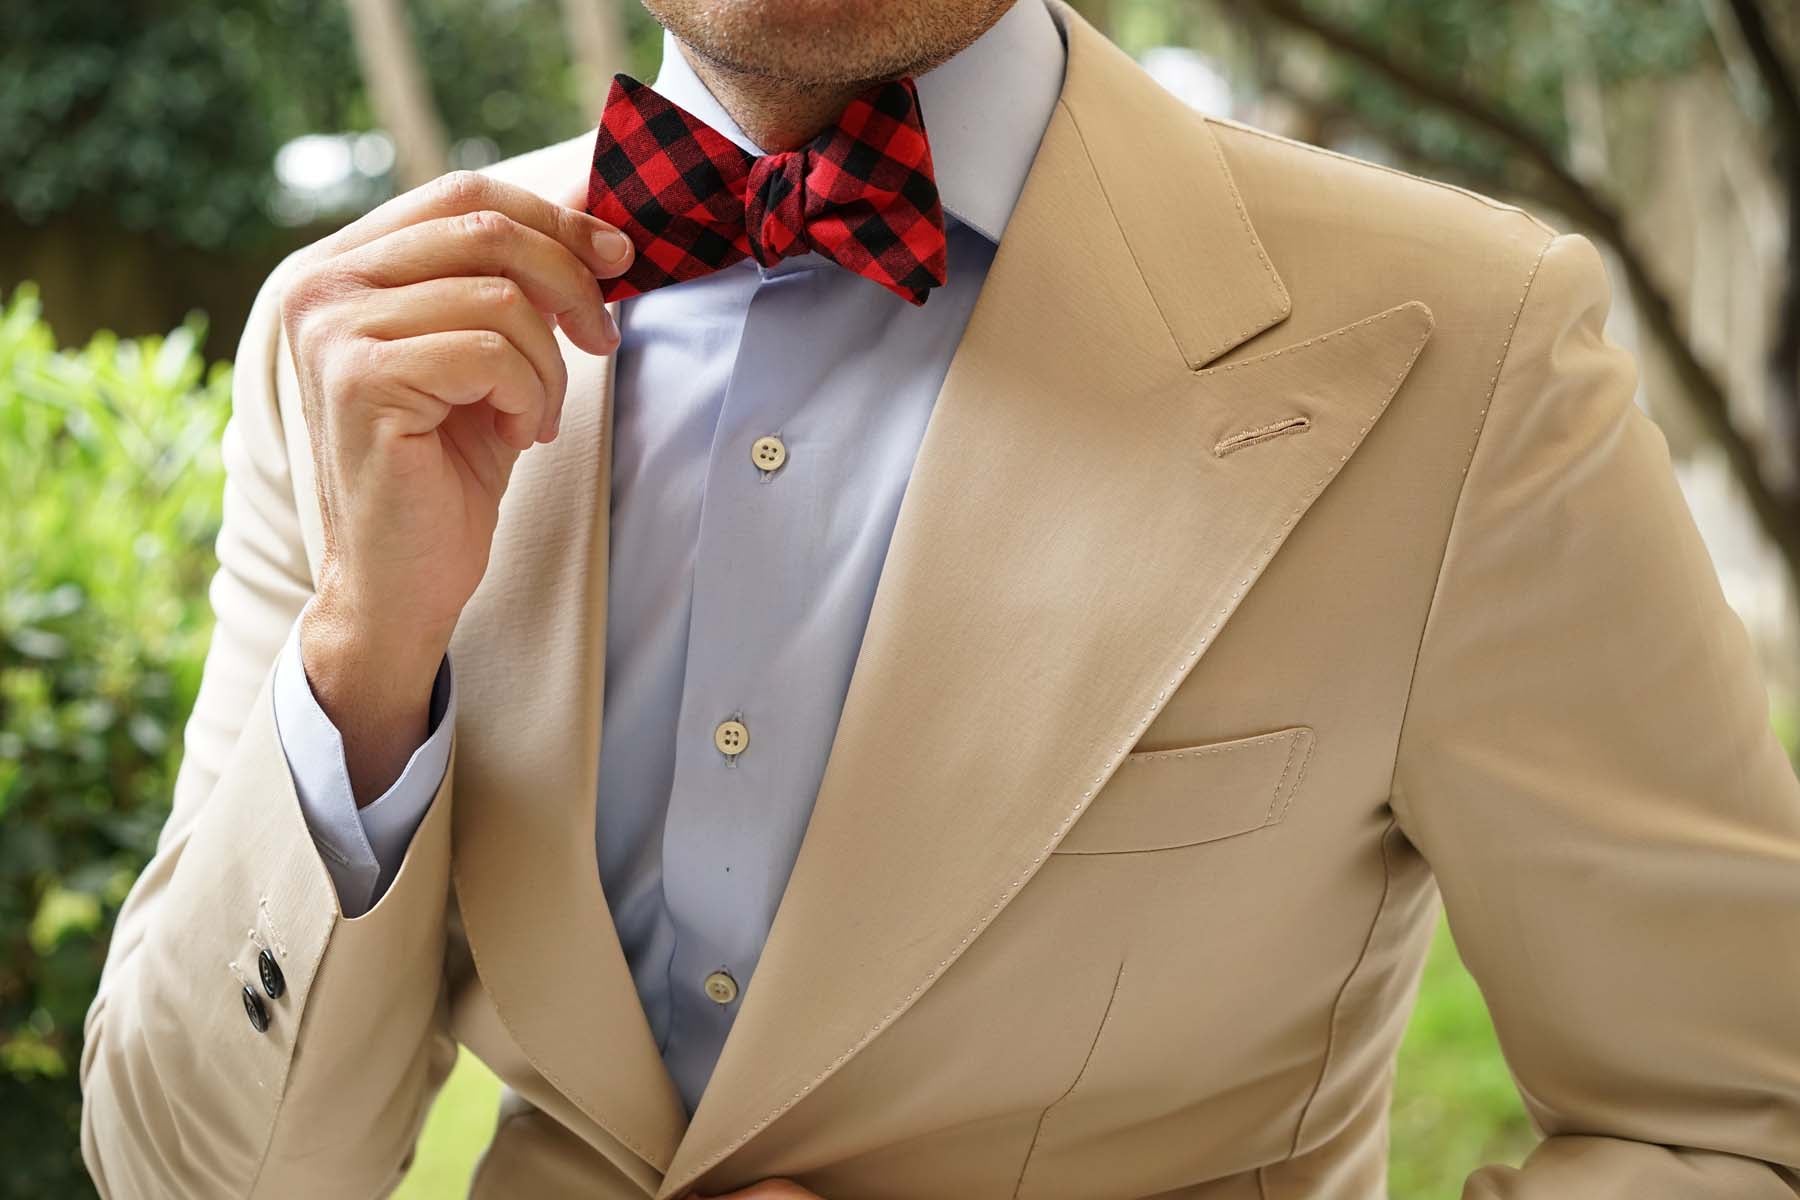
pixel 1776 508
pixel 1777 76
pixel 399 91
pixel 596 30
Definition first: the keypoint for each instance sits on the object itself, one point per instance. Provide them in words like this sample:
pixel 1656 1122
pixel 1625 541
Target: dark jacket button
pixel 272 980
pixel 253 1008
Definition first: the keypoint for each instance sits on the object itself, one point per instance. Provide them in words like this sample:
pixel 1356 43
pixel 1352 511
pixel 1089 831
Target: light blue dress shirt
pixel 735 593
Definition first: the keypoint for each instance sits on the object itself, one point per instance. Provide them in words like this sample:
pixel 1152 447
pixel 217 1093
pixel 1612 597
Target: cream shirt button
pixel 768 453
pixel 731 737
pixel 721 987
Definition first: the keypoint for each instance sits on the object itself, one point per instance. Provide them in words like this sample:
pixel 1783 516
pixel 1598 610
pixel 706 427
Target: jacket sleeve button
pixel 253 1008
pixel 273 981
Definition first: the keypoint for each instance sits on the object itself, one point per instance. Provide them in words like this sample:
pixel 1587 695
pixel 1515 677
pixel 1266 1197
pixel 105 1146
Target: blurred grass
pixel 455 1134
pixel 1455 1106
pixel 1454 1103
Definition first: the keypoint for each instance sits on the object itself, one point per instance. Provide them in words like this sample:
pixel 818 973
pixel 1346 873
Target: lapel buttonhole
pixel 1262 433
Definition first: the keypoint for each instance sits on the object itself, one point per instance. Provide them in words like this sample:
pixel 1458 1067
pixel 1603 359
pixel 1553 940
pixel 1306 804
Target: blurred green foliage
pixel 110 457
pixel 166 117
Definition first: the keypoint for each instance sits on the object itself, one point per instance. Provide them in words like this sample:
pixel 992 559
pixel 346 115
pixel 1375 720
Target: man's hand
pixel 768 1189
pixel 422 340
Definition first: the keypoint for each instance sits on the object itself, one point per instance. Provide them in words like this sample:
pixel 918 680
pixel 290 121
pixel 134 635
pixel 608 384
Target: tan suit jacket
pixel 1285 547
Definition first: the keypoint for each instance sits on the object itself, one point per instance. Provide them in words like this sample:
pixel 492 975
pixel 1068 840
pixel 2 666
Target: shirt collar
pixel 985 110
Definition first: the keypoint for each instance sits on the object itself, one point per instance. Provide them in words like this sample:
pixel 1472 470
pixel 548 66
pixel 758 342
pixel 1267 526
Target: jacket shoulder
pixel 557 171
pixel 1253 148
pixel 1348 235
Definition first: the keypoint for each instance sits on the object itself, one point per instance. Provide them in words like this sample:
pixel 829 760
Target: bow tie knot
pixel 775 207
pixel 861 193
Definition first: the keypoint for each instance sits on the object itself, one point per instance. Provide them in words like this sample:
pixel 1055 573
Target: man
pixel 1037 721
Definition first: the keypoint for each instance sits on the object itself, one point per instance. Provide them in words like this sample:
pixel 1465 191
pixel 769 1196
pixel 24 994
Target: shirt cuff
pixel 362 848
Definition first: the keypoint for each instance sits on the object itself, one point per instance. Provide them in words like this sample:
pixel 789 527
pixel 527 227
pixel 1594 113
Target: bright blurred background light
pixel 1191 76
pixel 315 162
pixel 471 153
pixel 324 175
pixel 373 154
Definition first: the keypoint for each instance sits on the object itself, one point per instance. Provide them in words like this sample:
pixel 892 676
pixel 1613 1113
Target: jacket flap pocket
pixel 1162 799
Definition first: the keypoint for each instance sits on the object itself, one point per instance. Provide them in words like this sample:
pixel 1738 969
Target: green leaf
pixel 61 913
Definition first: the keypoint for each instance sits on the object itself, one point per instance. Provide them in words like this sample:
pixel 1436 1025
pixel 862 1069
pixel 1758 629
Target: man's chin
pixel 826 41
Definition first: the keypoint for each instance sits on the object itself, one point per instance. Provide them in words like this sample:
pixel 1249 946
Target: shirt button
pixel 721 987
pixel 253 1008
pixel 768 453
pixel 731 737
pixel 272 980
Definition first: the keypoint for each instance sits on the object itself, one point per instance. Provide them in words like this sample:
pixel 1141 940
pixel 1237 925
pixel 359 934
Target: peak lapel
pixel 530 659
pixel 1085 514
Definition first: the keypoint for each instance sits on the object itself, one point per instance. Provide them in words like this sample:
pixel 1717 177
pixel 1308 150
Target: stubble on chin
pixel 825 43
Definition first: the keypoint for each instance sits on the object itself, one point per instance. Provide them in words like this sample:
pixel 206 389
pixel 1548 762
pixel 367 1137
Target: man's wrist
pixel 375 684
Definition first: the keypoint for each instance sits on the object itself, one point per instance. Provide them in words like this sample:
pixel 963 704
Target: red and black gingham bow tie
pixel 861 193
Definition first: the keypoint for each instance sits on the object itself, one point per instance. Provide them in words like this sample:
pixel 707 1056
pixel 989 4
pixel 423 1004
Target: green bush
pixel 110 459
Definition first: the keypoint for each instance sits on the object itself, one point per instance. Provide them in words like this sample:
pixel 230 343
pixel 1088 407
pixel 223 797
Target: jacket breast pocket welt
pixel 1190 795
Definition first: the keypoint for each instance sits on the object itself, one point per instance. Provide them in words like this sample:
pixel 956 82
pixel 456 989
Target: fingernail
pixel 612 326
pixel 612 246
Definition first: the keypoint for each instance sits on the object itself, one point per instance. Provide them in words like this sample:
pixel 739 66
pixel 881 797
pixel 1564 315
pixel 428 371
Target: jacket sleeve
pixel 1588 766
pixel 182 1094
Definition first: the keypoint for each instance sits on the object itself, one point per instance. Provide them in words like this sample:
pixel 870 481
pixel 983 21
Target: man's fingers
pixel 466 366
pixel 602 248
pixel 488 242
pixel 467 302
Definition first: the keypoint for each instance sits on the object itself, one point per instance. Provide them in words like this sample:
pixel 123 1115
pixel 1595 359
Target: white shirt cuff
pixel 362 848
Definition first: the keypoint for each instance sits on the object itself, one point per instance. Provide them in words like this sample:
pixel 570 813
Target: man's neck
pixel 776 114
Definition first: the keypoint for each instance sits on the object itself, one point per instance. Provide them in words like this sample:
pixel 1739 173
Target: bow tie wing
pixel 862 193
pixel 872 201
pixel 671 183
